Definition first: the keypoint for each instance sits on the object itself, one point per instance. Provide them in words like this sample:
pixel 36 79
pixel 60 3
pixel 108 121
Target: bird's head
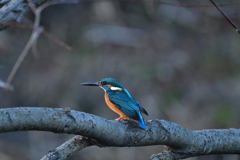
pixel 107 84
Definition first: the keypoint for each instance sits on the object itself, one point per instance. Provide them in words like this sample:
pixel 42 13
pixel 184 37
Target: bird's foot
pixel 118 119
pixel 121 118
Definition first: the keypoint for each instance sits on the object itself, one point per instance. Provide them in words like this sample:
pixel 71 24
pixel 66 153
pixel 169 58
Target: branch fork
pixel 180 142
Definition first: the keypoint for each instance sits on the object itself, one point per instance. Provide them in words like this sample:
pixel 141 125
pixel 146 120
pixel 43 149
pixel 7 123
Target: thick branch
pixel 180 141
pixel 14 10
pixel 9 7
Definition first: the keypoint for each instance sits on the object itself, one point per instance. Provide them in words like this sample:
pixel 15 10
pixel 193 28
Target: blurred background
pixel 180 60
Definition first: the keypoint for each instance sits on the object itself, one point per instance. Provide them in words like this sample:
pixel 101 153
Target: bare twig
pixel 32 6
pixel 69 148
pixel 59 42
pixel 36 32
pixel 5 85
pixel 45 33
pixel 176 3
pixel 149 1
pixel 21 10
pixel 225 16
pixel 37 12
pixel 34 36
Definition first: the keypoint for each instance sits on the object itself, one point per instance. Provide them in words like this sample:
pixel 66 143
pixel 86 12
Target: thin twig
pixel 36 32
pixel 32 6
pixel 37 12
pixel 58 41
pixel 33 37
pixel 225 16
pixel 5 85
pixel 177 3
pixel 45 33
pixel 147 1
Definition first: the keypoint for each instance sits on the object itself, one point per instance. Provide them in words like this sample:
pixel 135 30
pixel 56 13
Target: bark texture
pixel 12 11
pixel 180 142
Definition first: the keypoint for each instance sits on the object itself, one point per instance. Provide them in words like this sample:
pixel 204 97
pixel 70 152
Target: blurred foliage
pixel 224 116
pixel 181 63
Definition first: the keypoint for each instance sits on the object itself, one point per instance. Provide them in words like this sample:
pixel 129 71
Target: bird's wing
pixel 136 102
pixel 126 104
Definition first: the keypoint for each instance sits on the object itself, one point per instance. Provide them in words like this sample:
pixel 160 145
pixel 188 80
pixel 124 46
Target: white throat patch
pixel 116 89
pixel 102 88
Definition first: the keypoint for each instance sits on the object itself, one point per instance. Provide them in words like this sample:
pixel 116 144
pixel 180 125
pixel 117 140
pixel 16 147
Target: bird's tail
pixel 141 121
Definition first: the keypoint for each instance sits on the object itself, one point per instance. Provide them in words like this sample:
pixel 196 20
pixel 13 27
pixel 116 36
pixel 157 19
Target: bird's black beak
pixel 91 84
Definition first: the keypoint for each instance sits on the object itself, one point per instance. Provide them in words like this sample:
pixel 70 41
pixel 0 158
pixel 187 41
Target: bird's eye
pixel 103 82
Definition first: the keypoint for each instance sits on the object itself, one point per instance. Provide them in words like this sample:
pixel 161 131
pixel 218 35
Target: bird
pixel 120 100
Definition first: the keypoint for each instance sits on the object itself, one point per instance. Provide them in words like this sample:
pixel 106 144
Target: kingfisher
pixel 120 100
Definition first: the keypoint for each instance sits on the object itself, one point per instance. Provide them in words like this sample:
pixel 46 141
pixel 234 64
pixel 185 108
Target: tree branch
pixel 9 7
pixel 181 142
pixel 12 11
pixel 69 148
